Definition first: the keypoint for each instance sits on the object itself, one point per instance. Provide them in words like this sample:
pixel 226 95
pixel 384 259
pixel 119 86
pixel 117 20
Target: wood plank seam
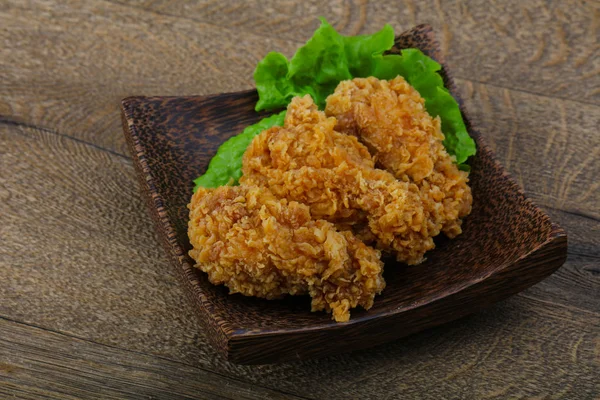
pixel 575 213
pixel 199 21
pixel 300 42
pixel 192 360
pixel 520 90
pixel 75 337
pixel 564 306
pixel 7 121
pixel 592 256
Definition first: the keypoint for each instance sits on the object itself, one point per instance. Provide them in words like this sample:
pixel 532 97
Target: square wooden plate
pixel 508 243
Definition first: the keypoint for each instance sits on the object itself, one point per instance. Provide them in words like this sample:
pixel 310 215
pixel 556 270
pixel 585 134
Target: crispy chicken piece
pixel 389 117
pixel 258 245
pixel 307 161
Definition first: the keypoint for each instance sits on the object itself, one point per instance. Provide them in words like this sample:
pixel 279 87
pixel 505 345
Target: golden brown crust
pixel 306 160
pixel 389 117
pixel 311 197
pixel 258 245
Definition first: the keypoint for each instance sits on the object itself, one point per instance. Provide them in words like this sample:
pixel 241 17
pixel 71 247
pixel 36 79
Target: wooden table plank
pixel 470 359
pixel 92 269
pixel 36 363
pixel 79 252
pixel 68 72
pixel 514 119
pixel 550 146
pixel 540 46
pixel 125 51
pixel 79 255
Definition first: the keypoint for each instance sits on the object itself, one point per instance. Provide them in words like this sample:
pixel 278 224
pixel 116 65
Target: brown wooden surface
pixel 90 307
pixel 172 140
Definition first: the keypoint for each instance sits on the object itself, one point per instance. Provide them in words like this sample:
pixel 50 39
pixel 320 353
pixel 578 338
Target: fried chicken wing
pixel 258 245
pixel 296 162
pixel 306 160
pixel 389 117
pixel 316 193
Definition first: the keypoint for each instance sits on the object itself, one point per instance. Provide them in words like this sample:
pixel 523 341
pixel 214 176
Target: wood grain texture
pixel 93 63
pixel 64 68
pixel 68 70
pixel 550 146
pixel 500 42
pixel 150 317
pixel 97 258
pixel 36 363
pixel 473 359
pixel 172 140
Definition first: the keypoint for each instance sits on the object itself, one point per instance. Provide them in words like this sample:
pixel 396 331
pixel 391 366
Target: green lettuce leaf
pixel 226 166
pixel 328 58
pixel 317 68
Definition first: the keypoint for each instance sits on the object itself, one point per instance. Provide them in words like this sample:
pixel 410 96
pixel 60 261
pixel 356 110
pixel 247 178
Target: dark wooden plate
pixel 508 243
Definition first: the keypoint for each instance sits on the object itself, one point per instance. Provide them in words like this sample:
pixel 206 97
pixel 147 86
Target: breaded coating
pixel 296 161
pixel 258 245
pixel 389 117
pixel 317 193
pixel 307 161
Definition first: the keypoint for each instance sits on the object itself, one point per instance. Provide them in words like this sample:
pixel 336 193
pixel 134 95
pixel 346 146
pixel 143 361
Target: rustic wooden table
pixel 89 307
